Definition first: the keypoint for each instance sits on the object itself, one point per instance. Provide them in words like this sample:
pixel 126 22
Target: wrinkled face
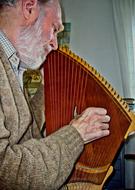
pixel 37 40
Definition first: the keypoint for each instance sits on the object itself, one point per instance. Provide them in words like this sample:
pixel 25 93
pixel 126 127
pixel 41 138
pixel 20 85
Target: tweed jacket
pixel 27 161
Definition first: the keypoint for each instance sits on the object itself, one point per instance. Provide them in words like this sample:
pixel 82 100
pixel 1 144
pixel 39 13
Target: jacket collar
pixel 19 108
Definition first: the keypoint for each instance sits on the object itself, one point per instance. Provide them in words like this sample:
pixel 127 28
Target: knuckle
pixel 107 125
pixel 106 132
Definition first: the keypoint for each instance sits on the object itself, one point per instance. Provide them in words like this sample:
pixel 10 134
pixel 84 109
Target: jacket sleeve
pixel 41 164
pixel 37 103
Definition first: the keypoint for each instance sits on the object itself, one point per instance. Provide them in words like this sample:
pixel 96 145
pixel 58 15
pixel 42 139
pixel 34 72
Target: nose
pixel 54 42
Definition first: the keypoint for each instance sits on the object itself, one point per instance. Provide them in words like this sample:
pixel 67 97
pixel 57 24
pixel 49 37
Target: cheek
pixel 47 34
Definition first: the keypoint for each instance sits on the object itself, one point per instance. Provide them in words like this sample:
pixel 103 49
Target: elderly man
pixel 28 32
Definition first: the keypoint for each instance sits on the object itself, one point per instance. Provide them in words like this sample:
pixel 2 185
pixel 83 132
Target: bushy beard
pixel 31 47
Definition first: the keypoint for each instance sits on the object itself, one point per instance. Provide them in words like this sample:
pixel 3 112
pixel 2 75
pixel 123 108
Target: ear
pixel 30 10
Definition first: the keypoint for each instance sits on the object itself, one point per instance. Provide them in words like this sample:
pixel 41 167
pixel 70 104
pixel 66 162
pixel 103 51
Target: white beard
pixel 30 45
pixel 32 63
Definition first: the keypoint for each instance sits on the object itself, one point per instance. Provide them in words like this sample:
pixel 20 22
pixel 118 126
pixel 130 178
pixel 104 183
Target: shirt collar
pixel 7 45
pixel 11 53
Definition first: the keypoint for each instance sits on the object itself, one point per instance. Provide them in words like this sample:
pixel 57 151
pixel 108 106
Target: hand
pixel 92 124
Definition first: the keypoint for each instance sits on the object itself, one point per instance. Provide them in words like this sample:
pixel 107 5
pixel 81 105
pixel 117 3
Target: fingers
pixel 92 124
pixel 97 118
pixel 94 115
pixel 97 135
pixel 94 136
pixel 98 126
pixel 92 111
pixel 96 110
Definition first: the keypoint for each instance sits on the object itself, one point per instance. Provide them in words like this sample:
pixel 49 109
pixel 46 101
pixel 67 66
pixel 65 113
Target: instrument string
pixel 68 87
pixel 56 91
pixel 72 105
pixel 82 98
pixel 73 87
pixel 65 79
pixel 58 83
pixel 51 90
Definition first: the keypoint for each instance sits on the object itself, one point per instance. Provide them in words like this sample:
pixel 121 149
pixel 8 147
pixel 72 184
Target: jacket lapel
pixel 14 103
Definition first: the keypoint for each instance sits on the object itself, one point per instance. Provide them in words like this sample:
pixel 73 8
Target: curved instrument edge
pixel 90 186
pixel 131 129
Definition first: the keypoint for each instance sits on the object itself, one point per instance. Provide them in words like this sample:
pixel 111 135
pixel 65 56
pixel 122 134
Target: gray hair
pixel 12 2
pixel 7 2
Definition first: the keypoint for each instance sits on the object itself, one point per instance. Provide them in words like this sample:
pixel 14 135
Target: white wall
pixel 93 37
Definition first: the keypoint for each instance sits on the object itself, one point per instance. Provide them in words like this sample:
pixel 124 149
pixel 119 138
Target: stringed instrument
pixel 71 85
